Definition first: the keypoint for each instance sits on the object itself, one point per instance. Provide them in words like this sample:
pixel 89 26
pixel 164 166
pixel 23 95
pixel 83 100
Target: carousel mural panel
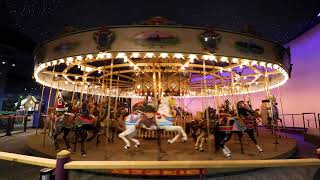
pixel 123 93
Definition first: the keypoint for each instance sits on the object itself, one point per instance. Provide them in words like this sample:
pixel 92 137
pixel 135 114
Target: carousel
pixel 121 94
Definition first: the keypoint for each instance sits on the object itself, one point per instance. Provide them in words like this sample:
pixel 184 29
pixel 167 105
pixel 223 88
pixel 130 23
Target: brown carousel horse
pixel 77 123
pixel 223 126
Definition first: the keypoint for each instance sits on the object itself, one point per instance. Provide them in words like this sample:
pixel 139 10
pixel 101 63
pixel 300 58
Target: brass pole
pixel 109 106
pixel 40 108
pixel 48 106
pixel 207 113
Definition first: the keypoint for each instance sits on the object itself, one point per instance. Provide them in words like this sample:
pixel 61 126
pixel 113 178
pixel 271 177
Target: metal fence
pixel 303 120
pixel 12 124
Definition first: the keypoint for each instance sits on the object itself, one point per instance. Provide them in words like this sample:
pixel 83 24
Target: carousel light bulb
pixel 55 75
pixel 275 66
pixel 100 55
pixel 164 55
pixel 235 60
pixel 66 82
pixel 76 77
pixel 48 64
pixel 245 62
pixel 55 62
pixel 229 69
pixel 205 57
pixel 241 66
pixel 108 55
pixel 254 63
pixel 269 65
pixel 178 56
pixel 43 66
pixel 192 57
pixel 149 55
pixel 262 64
pixel 206 39
pixel 89 56
pixel 256 83
pixel 212 58
pixel 135 55
pixel 121 55
pixel 61 60
pixel 125 59
pixel 99 71
pixel 223 59
pixel 245 77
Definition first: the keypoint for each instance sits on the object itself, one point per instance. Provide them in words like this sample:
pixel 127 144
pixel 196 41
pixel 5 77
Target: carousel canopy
pixel 148 59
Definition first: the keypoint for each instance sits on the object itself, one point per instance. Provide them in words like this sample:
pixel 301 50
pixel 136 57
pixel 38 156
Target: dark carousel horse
pixel 79 124
pixel 223 126
pixel 227 125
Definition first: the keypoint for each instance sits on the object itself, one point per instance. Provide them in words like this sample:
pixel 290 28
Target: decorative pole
pixel 40 108
pixel 109 107
pixel 207 112
pixel 48 106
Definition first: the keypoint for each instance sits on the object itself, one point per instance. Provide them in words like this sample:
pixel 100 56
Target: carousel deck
pixel 177 151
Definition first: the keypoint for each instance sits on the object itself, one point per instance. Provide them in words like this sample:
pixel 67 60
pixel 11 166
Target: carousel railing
pixel 62 164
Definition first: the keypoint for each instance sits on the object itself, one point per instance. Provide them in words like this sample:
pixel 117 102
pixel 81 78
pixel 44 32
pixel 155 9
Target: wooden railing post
pixel 63 157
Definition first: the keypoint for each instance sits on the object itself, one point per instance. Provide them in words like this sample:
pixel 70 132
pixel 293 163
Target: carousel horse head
pixel 240 104
pixel 273 100
pixel 166 106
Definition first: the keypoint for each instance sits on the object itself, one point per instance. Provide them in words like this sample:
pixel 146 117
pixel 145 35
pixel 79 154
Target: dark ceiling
pixel 278 20
pixel 23 23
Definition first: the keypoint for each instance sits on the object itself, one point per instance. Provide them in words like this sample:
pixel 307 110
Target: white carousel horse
pixel 132 121
pixel 165 119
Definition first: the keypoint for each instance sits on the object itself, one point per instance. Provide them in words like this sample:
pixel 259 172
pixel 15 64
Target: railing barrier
pixel 62 164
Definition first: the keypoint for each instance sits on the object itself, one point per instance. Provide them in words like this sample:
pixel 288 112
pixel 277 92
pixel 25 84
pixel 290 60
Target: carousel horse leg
pixel 83 137
pixel 180 132
pixel 66 131
pixel 136 142
pixel 55 137
pixel 240 134
pixel 203 139
pixel 226 136
pixel 199 139
pixel 129 130
pixel 251 136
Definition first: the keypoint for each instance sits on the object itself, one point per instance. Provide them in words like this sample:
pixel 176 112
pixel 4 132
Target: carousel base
pixel 179 151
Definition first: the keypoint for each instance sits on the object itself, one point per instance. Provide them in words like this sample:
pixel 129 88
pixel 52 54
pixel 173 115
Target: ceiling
pixel 39 20
pixel 276 20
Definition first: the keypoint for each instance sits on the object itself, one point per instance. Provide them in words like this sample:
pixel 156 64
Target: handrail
pixel 213 164
pixel 210 164
pixel 38 161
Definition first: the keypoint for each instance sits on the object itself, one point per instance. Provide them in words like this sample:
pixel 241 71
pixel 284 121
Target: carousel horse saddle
pixel 86 120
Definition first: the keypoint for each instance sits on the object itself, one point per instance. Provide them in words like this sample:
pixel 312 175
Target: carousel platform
pixel 313 135
pixel 180 151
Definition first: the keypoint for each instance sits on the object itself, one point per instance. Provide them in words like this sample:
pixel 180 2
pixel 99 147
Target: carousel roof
pixel 148 59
